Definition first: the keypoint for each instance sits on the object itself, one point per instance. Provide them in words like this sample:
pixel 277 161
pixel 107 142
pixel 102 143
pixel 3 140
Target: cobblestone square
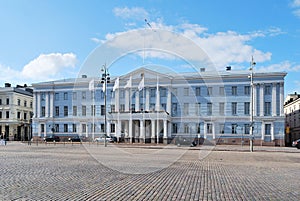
pixel 95 172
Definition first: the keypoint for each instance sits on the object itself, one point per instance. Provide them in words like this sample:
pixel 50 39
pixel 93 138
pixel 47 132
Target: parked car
pixel 51 138
pixel 102 138
pixel 74 139
pixel 296 143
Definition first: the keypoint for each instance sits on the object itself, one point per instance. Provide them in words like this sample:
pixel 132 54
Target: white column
pixel 38 107
pixel 108 128
pixel 117 101
pixel 127 100
pixel 157 102
pixel 126 130
pixel 147 102
pixel 142 129
pixel 169 129
pixel 130 130
pixel 281 98
pixel 169 101
pixel 47 105
pixel 261 97
pixel 157 130
pixel 262 131
pixel 51 103
pixel 254 100
pixel 152 128
pixel 274 99
pixel 213 130
pixel 272 131
pixel 137 101
pixel 165 129
pixel 205 130
pixel 118 128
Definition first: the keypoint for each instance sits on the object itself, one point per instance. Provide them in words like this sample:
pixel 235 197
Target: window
pixel 56 128
pixel 209 108
pixel 267 129
pixel 112 108
pixel 42 128
pixel 221 91
pixel 7 114
pixel 163 92
pixel 7 101
pixel 164 106
pixel 152 92
pixel 198 91
pixel 247 90
pixel 30 104
pixel 65 95
pixel 102 128
pixel 1 115
pixel 25 103
pixel 56 96
pixel 112 128
pixel 74 96
pixel 83 128
pixel 57 111
pixel 152 106
pixel 83 95
pixel 174 128
pixel 122 93
pixel 247 128
pixel 209 128
pixel 246 108
pixel 25 116
pixel 65 111
pixel 65 128
pixel 186 128
pixel 74 128
pixel 174 109
pixel 221 128
pixel 74 110
pixel 43 96
pixel 43 111
pixel 19 102
pixel 93 110
pixel 267 90
pixel 234 108
pixel 18 115
pixel 234 90
pixel 198 109
pixel 221 108
pixel 209 91
pixel 102 110
pixel 233 128
pixel 185 108
pixel 186 91
pixel 83 110
pixel 267 108
pixel 122 107
pixel 0 101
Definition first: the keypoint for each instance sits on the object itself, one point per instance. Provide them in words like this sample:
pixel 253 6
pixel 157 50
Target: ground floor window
pixel 267 129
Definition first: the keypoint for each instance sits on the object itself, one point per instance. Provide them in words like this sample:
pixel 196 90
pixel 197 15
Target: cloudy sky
pixel 52 39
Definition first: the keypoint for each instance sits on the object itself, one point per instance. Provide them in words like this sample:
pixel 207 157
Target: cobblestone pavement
pixel 77 172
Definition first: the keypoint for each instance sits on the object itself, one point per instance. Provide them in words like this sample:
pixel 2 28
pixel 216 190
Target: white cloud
pixel 131 13
pixel 297 13
pixel 47 66
pixel 283 66
pixel 295 3
pixel 9 75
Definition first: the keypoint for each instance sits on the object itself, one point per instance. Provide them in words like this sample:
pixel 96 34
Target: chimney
pixel 228 68
pixel 7 85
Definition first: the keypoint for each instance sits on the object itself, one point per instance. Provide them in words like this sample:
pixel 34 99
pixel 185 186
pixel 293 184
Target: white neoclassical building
pixel 146 106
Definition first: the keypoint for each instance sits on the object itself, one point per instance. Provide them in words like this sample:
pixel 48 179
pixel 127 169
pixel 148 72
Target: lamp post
pixel 252 105
pixel 104 80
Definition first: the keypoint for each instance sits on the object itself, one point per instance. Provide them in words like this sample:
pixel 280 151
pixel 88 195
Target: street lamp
pixel 105 79
pixel 252 105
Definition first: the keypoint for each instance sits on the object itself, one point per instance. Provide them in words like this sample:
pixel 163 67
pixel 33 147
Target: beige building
pixel 16 108
pixel 292 118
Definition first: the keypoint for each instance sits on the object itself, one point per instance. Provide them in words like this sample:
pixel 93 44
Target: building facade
pixel 292 118
pixel 16 107
pixel 147 106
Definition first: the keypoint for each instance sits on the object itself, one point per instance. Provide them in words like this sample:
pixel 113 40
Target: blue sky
pixel 46 40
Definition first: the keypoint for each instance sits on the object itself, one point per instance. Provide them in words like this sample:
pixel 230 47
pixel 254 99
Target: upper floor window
pixel 247 90
pixel 267 90
pixel 66 111
pixel 7 101
pixel 233 129
pixel 185 108
pixel 209 91
pixel 198 91
pixel 221 108
pixel 56 96
pixel 221 128
pixel 234 90
pixel 234 108
pixel 30 104
pixel 209 108
pixel 74 96
pixel 247 108
pixel 43 96
pixel 25 103
pixel 57 111
pixel 0 101
pixel 65 95
pixel 163 92
pixel 267 108
pixel 174 91
pixel 221 91
pixel 83 95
